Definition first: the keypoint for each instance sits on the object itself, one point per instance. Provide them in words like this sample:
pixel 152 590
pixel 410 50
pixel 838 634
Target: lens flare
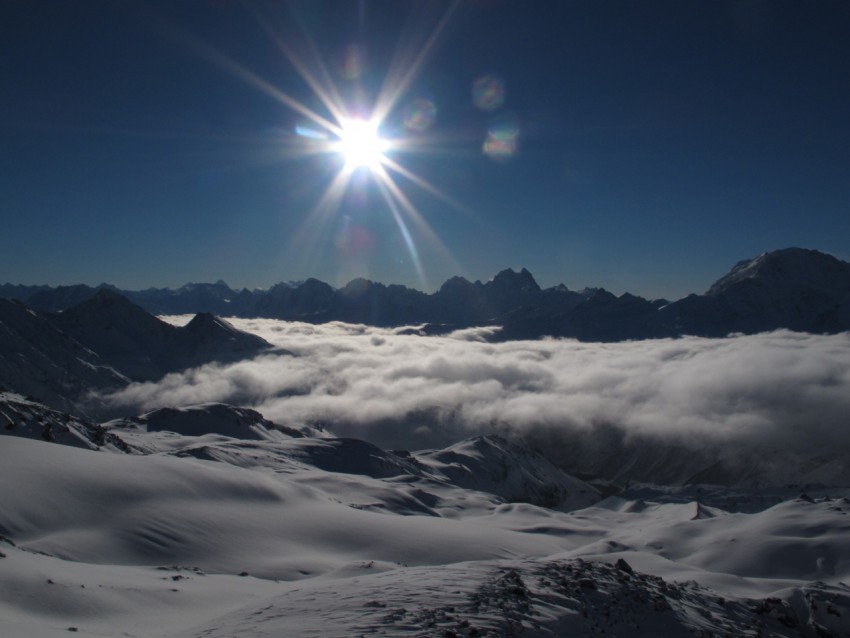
pixel 501 142
pixel 353 62
pixel 309 131
pixel 488 92
pixel 420 115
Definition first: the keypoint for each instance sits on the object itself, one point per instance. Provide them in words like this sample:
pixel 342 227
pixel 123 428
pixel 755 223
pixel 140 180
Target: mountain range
pixel 105 343
pixel 794 288
pixel 58 349
pixel 208 519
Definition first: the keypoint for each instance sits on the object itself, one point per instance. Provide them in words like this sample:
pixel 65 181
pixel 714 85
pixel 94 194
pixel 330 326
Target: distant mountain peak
pixel 220 286
pixel 521 281
pixel 214 331
pixel 203 319
pixel 456 283
pixel 108 302
pixel 359 286
pixel 312 282
pixel 108 295
pixel 209 324
pixel 793 288
pixel 785 268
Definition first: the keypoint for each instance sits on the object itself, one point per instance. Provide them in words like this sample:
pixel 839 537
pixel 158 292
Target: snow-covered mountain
pixel 102 344
pixel 221 532
pixel 798 289
pixel 207 419
pixel 209 338
pixel 133 340
pixel 508 471
pixel 29 419
pixel 38 359
pixel 511 470
pixel 792 288
pixel 143 347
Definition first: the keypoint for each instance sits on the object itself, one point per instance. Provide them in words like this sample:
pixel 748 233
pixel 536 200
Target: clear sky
pixel 640 145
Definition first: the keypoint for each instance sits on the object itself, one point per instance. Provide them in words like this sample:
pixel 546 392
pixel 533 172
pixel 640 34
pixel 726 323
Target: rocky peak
pixel 510 281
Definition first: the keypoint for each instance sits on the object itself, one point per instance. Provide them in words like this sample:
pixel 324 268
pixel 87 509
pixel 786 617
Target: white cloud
pixel 412 391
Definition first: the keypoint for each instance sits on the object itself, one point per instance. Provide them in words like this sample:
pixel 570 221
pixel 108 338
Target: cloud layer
pixel 410 391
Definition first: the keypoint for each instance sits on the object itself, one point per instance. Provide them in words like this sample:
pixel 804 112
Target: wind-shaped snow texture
pixel 280 533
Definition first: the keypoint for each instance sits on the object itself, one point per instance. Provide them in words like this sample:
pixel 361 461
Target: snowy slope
pixel 39 360
pixel 221 518
pixel 23 417
pixel 210 418
pixel 503 470
pixel 789 268
pixel 511 470
pixel 533 598
pixel 176 545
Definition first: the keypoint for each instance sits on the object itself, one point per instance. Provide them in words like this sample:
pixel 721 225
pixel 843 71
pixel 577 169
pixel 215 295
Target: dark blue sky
pixel 651 144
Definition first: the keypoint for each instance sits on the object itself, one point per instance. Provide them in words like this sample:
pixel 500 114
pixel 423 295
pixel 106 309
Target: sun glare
pixel 361 145
pixel 357 139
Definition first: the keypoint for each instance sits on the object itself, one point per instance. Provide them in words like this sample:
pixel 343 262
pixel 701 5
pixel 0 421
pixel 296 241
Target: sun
pixel 361 145
pixel 352 131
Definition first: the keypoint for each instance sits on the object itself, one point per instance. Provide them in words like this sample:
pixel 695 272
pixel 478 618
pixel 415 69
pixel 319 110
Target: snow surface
pixel 209 535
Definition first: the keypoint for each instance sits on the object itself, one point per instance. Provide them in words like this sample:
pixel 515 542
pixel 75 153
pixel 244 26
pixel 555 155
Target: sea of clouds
pixel 401 390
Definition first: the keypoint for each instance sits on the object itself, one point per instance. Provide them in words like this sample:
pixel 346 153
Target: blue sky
pixel 650 145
